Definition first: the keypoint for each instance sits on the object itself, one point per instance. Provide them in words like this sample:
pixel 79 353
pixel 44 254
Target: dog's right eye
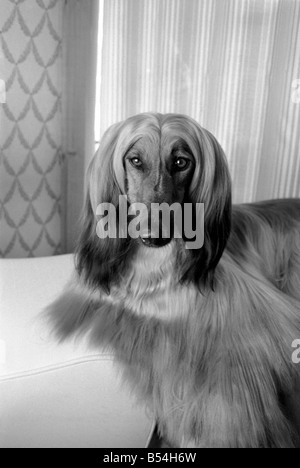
pixel 136 162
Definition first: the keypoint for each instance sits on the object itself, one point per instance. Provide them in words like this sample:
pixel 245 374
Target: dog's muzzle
pixel 160 233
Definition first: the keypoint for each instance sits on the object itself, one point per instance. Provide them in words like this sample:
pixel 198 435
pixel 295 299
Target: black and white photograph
pixel 149 226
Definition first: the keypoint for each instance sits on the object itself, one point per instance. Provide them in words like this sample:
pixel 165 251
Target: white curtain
pixel 230 64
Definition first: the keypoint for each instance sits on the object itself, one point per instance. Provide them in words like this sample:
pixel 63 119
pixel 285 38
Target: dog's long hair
pixel 205 336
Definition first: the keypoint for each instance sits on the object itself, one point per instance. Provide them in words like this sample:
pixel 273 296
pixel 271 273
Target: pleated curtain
pixel 231 64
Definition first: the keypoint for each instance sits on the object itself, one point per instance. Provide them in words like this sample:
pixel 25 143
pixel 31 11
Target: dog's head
pixel 154 159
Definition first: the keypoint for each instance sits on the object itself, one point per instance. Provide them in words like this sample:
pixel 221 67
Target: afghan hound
pixel 204 336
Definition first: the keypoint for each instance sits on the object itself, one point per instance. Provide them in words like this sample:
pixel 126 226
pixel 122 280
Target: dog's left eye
pixel 136 162
pixel 181 163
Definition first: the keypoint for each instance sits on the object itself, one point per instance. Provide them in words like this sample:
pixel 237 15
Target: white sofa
pixel 55 395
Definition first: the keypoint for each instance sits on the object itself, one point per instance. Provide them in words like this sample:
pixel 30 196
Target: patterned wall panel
pixel 30 127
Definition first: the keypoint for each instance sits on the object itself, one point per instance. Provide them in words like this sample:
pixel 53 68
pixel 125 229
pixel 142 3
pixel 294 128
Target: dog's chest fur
pixel 155 349
pixel 150 288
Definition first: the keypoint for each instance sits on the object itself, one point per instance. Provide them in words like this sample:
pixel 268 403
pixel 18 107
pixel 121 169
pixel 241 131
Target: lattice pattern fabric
pixel 30 127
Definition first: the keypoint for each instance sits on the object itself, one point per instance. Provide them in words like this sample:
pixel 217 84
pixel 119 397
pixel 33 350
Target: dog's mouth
pixel 155 238
pixel 155 242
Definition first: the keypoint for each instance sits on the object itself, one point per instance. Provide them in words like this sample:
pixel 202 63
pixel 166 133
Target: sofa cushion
pixel 56 395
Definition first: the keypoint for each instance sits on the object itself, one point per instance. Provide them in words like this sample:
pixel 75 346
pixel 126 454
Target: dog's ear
pixel 211 185
pixel 102 261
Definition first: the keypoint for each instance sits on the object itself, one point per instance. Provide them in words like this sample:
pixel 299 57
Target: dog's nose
pixel 155 242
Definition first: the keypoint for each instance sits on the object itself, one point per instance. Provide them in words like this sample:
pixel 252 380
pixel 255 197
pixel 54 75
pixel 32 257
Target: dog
pixel 204 336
